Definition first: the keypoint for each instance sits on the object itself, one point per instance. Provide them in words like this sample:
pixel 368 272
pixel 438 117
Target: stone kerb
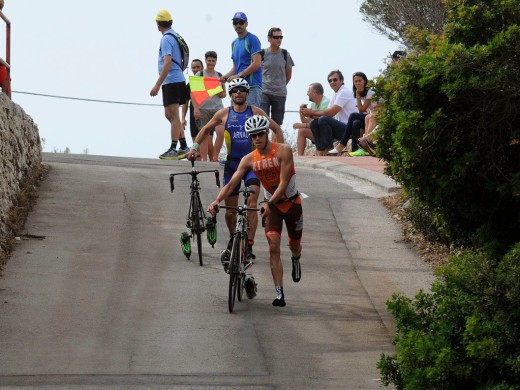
pixel 20 155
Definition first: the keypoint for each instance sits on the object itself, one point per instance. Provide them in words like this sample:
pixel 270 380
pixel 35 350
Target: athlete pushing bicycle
pixel 273 164
pixel 238 145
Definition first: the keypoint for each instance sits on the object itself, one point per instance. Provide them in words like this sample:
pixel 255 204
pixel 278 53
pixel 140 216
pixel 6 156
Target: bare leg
pixel 275 261
pixel 211 148
pixel 219 141
pixel 231 215
pixel 253 215
pixel 172 114
pixel 301 141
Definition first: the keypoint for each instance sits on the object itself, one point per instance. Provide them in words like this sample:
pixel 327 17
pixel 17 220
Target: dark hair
pixel 398 54
pixel 165 24
pixel 272 30
pixel 364 77
pixel 197 60
pixel 211 53
pixel 338 72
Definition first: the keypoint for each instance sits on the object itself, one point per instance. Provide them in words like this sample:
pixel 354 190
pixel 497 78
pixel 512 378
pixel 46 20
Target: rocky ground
pixel 434 253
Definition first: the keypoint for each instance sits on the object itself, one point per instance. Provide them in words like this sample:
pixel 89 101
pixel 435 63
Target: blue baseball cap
pixel 241 16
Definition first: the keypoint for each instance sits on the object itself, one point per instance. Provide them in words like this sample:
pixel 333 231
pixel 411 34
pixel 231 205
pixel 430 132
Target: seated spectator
pixel 367 143
pixel 332 122
pixel 318 102
pixel 356 120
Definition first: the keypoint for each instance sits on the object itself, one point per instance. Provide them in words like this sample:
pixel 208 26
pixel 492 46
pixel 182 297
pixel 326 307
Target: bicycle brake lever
pixel 171 183
pixel 217 178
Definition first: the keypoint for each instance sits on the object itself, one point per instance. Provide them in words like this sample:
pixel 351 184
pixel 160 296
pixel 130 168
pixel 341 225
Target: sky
pixel 107 50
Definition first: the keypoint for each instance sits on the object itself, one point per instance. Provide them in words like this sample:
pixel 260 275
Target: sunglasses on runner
pixel 256 135
pixel 239 89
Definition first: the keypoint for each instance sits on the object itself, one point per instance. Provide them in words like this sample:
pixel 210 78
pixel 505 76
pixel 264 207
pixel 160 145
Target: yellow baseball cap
pixel 163 16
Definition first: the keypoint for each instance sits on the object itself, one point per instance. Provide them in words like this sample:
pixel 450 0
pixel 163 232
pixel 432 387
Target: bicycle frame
pixel 196 217
pixel 239 250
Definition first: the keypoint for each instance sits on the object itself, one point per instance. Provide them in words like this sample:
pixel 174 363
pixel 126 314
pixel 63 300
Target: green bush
pixel 451 123
pixel 465 334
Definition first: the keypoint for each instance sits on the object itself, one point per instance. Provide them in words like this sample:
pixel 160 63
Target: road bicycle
pixel 196 219
pixel 238 259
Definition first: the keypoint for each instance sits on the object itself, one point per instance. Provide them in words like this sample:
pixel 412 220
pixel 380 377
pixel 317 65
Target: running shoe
pixel 170 154
pixel 296 269
pixel 279 302
pixel 224 259
pixel 250 286
pixel 359 152
pixel 181 153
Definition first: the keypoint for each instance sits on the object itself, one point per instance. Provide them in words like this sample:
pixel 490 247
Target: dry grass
pixel 16 217
pixel 434 253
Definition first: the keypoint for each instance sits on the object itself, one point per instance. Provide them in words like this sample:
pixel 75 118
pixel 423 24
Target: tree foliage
pixel 451 124
pixel 393 18
pixel 450 133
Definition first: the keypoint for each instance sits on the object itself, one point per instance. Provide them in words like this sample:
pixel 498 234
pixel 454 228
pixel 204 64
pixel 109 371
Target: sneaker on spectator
pixel 170 154
pixel 359 152
pixel 182 152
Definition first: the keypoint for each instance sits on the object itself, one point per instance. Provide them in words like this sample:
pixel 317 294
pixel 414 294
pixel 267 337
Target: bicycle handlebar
pixel 240 209
pixel 194 174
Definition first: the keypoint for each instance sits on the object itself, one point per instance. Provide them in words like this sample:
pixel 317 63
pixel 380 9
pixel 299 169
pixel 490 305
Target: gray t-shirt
pixel 274 81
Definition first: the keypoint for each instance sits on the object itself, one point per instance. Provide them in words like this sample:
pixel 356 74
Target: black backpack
pixel 284 52
pixel 185 51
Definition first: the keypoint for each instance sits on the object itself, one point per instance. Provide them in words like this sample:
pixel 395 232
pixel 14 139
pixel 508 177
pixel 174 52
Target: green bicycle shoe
pixel 211 230
pixel 185 239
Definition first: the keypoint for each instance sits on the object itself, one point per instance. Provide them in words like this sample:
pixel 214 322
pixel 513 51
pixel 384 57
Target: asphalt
pixel 98 293
pixel 367 168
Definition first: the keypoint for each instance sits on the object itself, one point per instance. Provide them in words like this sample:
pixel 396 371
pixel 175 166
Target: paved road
pixel 98 294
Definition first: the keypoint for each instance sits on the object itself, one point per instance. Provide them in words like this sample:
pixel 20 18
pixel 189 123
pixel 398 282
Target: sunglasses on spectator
pixel 240 22
pixel 256 135
pixel 277 36
pixel 333 80
pixel 239 89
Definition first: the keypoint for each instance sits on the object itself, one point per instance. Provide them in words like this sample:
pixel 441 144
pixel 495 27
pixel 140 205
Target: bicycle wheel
pixel 243 256
pixel 233 272
pixel 196 224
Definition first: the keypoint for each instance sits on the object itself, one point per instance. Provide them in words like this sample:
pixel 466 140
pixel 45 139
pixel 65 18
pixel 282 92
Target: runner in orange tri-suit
pixel 273 164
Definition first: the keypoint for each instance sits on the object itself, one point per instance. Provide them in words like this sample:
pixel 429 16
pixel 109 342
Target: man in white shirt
pixel 332 122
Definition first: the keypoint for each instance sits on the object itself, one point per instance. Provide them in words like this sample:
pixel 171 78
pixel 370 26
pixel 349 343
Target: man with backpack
pixel 171 63
pixel 276 73
pixel 246 59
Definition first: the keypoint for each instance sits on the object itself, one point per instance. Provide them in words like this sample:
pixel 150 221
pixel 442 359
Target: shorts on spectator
pixel 174 93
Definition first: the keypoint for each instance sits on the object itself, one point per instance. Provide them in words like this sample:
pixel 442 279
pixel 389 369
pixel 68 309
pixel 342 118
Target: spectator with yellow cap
pixel 172 83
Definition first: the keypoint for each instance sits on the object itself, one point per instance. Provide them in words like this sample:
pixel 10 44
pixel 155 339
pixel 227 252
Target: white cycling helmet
pixel 235 83
pixel 257 124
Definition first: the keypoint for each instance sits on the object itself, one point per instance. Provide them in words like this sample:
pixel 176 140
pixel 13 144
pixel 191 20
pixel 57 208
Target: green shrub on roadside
pixel 451 123
pixel 465 334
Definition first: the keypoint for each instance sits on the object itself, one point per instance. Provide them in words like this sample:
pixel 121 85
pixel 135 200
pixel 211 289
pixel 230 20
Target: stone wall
pixel 20 156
